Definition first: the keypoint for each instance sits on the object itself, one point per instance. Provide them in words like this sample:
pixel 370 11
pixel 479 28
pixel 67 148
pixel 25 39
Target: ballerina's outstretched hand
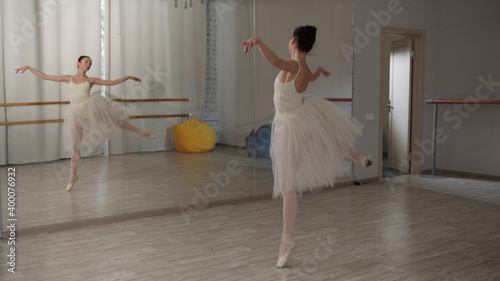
pixel 22 69
pixel 323 71
pixel 250 43
pixel 135 78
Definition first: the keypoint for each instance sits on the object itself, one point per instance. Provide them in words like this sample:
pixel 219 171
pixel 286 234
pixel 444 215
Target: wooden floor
pixel 408 228
pixel 120 186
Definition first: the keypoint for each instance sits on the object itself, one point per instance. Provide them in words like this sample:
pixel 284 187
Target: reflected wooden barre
pixel 116 100
pixel 339 99
pixel 32 103
pixel 62 120
pixel 148 100
pixel 67 102
pixel 463 101
pixel 31 122
pixel 159 116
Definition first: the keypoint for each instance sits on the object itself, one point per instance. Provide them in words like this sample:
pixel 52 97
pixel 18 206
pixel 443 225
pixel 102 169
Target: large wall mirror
pixel 189 58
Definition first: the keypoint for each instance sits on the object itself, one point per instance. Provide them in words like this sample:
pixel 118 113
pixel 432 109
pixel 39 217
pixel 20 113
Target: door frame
pixel 417 98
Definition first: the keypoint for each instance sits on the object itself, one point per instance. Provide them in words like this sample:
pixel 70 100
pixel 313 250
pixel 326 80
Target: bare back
pixel 302 79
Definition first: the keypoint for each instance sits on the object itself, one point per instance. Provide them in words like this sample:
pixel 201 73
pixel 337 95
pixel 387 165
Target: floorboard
pixel 411 228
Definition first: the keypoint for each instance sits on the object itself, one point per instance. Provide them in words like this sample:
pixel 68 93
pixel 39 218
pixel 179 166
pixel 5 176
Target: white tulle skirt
pixel 310 145
pixel 89 123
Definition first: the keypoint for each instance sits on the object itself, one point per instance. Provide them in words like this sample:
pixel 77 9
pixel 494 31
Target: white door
pixel 399 105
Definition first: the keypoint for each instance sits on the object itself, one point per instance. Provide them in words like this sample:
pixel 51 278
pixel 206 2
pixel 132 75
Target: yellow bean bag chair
pixel 194 136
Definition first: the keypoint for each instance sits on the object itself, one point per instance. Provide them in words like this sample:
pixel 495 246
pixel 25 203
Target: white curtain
pixel 166 48
pixel 49 36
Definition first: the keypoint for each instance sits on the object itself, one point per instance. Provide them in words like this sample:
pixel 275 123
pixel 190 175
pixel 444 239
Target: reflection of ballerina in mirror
pixel 90 119
pixel 311 137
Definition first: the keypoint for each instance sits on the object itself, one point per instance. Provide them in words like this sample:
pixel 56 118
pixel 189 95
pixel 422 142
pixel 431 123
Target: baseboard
pixel 231 145
pixel 365 181
pixel 459 174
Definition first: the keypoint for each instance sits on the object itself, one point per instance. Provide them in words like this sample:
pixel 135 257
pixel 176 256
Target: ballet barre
pixel 339 99
pixel 434 126
pixel 189 114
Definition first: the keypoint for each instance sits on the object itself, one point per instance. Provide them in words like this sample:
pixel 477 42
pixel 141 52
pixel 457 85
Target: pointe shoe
pixel 283 258
pixel 71 183
pixel 366 162
pixel 148 135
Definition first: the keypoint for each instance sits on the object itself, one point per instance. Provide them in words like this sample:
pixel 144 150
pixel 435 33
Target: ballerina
pixel 311 138
pixel 90 119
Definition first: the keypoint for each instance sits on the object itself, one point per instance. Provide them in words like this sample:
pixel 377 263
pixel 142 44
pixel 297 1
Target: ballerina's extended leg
pixel 363 160
pixel 129 127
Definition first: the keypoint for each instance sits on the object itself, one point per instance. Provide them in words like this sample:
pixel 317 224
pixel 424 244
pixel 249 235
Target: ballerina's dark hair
pixel 306 36
pixel 81 58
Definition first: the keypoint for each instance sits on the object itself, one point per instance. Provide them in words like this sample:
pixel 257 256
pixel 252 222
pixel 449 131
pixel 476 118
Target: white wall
pixel 469 48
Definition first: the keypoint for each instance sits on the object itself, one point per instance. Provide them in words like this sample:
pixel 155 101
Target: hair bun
pixel 306 36
pixel 310 30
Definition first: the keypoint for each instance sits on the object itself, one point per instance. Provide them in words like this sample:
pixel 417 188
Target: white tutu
pixel 90 118
pixel 310 143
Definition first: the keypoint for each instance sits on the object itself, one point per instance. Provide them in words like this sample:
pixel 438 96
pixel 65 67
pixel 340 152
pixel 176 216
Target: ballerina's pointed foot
pixel 71 183
pixel 366 161
pixel 285 255
pixel 148 135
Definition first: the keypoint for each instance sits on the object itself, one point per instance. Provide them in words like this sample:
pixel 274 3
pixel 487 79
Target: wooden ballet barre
pixel 149 100
pixel 434 126
pixel 62 120
pixel 463 101
pixel 32 103
pixel 159 116
pixel 189 115
pixel 67 102
pixel 339 99
pixel 31 122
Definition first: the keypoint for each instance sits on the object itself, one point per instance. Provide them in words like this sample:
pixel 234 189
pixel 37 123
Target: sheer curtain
pixel 49 36
pixel 165 47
